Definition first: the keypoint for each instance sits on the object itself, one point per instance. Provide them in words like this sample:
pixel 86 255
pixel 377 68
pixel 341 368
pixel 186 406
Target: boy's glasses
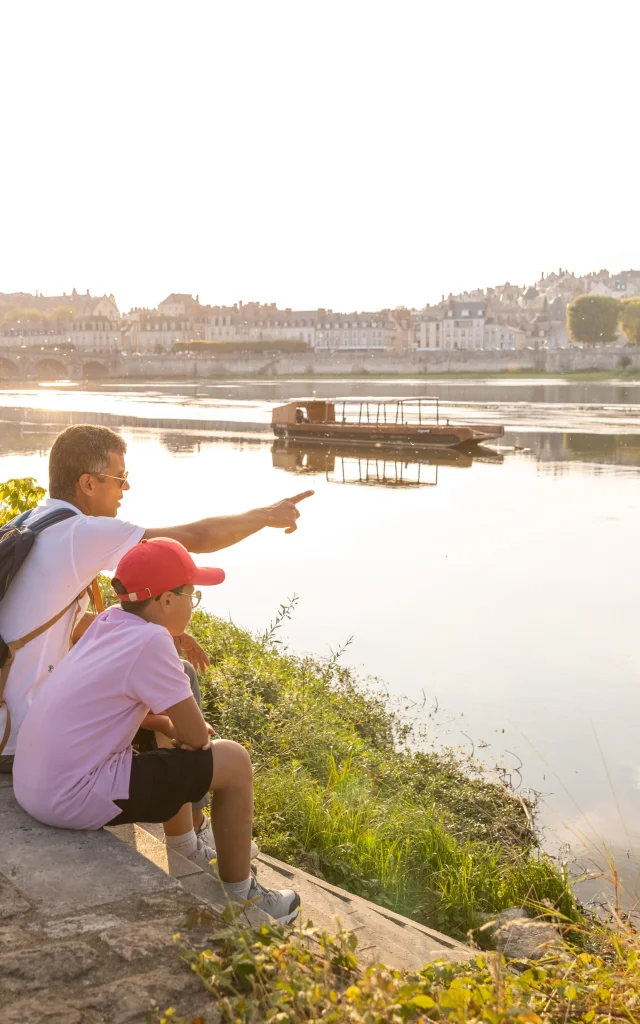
pixel 195 597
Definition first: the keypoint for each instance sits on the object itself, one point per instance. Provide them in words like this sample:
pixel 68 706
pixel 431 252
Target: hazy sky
pixel 350 154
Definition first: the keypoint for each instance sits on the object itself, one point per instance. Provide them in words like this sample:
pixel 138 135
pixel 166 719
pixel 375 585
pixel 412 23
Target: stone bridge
pixel 44 364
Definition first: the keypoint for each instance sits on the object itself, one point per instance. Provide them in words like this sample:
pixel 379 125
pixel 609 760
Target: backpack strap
pixel 96 597
pixel 16 645
pixel 18 520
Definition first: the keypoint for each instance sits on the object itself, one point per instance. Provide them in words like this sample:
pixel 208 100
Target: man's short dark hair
pixel 77 450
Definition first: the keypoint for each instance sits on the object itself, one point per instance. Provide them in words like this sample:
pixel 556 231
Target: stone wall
pixel 14 366
pixel 378 363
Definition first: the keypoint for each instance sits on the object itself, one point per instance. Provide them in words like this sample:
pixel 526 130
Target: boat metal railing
pixel 390 411
pixel 381 472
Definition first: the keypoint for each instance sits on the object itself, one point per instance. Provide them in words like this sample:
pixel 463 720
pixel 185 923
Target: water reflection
pixel 596 449
pixel 369 465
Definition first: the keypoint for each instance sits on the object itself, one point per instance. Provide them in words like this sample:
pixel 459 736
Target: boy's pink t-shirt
pixel 73 756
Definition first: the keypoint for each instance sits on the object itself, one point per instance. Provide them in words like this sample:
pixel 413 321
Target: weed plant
pixel 312 976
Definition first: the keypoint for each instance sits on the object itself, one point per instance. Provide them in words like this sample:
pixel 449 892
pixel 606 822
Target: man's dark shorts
pixel 162 781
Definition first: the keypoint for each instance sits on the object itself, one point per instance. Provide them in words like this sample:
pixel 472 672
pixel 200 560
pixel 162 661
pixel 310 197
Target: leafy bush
pixel 310 976
pixel 18 495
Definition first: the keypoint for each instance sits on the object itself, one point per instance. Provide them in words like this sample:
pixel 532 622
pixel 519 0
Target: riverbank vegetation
pixel 304 976
pixel 629 371
pixel 342 790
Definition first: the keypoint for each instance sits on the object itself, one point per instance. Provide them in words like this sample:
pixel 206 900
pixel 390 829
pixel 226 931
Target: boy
pixel 74 766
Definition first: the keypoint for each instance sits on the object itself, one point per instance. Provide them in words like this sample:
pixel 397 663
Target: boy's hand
pixel 192 651
pixel 185 746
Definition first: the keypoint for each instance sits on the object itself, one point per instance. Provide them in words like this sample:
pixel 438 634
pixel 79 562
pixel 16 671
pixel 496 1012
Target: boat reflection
pixel 372 465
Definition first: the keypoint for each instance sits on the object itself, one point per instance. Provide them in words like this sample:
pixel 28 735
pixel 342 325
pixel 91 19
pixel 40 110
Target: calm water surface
pixel 503 592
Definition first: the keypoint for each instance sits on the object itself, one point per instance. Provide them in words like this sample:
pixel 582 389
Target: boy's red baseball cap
pixel 155 566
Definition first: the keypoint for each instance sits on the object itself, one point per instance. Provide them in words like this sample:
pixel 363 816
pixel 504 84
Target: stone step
pixel 383 936
pixel 87 926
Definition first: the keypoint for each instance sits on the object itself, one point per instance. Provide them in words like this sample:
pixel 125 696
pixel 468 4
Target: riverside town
pixel 502 318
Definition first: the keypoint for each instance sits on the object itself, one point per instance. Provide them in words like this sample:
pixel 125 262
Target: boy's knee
pixel 232 760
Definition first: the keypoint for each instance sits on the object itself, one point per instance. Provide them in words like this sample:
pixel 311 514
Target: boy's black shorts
pixel 162 781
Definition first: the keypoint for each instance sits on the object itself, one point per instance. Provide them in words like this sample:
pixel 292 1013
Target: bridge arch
pixel 94 369
pixel 7 368
pixel 51 369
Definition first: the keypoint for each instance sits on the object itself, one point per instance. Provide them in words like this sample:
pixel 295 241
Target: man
pixel 74 765
pixel 87 474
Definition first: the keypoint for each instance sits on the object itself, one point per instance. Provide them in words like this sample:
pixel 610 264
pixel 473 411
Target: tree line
pixel 596 319
pixel 11 314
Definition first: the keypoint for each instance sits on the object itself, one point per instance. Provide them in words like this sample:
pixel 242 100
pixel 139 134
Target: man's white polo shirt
pixel 63 561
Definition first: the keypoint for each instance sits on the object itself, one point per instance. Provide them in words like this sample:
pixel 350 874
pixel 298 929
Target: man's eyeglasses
pixel 121 479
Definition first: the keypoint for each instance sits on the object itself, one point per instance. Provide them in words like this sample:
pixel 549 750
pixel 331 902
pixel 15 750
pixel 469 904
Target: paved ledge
pixel 86 929
pixel 87 923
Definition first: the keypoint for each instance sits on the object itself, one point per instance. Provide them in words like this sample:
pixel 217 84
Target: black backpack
pixel 16 541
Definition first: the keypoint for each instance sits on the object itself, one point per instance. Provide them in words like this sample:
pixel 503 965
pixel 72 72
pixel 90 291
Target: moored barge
pixel 405 421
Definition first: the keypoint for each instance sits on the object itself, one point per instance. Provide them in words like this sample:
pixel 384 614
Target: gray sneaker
pixel 207 859
pixel 205 839
pixel 282 904
pixel 204 857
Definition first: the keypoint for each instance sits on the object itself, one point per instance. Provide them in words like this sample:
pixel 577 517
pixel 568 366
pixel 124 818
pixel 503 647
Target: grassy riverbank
pixel 339 791
pixel 589 375
pixel 593 375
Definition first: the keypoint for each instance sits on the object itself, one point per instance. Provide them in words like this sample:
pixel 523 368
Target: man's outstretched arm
pixel 208 535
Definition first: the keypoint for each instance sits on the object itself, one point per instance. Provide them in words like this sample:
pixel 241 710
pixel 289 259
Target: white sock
pixel 186 844
pixel 238 891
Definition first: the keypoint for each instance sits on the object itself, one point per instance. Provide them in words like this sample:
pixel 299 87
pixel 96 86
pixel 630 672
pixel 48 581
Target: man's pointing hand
pixel 284 513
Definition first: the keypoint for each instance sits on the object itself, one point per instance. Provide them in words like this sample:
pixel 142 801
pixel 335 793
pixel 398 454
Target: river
pixel 498 596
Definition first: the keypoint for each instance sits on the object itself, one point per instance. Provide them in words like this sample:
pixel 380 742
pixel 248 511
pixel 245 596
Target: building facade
pixel 178 306
pixel 95 335
pixel 503 337
pixel 625 285
pixel 463 326
pixel 361 331
pixel 159 334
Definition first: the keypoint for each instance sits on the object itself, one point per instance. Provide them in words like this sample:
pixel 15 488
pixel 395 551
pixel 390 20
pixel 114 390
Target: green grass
pixel 340 791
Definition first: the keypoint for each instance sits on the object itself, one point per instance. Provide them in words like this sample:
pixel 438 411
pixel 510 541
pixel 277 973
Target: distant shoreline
pixel 631 373
pixel 620 376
